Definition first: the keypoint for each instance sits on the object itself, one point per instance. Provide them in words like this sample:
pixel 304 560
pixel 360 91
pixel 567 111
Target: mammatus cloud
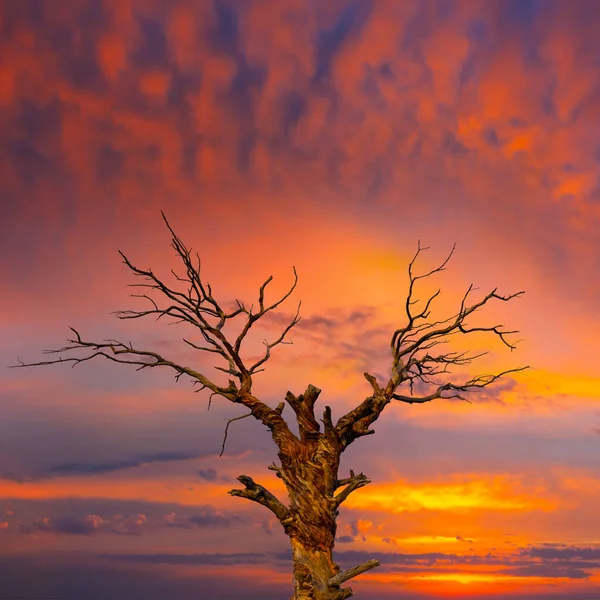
pixel 475 100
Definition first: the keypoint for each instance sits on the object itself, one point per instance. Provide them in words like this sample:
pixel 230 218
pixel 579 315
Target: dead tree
pixel 308 463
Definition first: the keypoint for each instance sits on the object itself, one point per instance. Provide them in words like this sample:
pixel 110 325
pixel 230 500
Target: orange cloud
pixel 493 493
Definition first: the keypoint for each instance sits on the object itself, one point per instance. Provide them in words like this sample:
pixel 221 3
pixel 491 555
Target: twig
pixel 229 421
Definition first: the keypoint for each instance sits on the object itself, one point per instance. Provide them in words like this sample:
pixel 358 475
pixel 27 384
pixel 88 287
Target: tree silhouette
pixel 309 462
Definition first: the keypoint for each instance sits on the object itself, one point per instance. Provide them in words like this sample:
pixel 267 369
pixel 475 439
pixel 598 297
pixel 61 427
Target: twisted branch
pixel 303 407
pixel 413 362
pixel 257 493
pixel 338 579
pixel 352 483
pixel 197 306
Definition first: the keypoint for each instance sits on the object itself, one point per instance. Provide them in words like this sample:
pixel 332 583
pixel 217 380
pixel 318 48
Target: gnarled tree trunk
pixel 310 475
pixel 311 527
pixel 309 469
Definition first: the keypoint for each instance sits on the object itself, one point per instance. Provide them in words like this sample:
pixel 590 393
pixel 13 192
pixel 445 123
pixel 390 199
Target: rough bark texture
pixel 309 462
pixel 309 469
pixel 310 476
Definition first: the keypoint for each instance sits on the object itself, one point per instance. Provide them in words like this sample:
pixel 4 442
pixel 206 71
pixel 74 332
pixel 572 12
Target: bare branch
pixel 277 470
pixel 401 345
pixel 119 353
pixel 352 483
pixel 198 307
pixel 253 317
pixel 260 494
pixel 229 421
pixel 373 381
pixel 412 362
pixel 409 299
pixel 472 384
pixel 357 422
pixel 456 325
pixel 280 340
pixel 303 407
pixel 338 579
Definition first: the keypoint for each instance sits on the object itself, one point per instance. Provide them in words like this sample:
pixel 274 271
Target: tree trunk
pixel 313 570
pixel 311 479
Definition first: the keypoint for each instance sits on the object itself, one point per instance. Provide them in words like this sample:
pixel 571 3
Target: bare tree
pixel 309 462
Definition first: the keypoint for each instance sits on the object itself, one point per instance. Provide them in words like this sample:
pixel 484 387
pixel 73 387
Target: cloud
pixel 548 571
pixel 344 539
pixel 516 564
pixel 133 525
pixel 460 538
pixel 207 474
pixel 552 552
pixel 137 524
pixel 206 518
pixel 72 578
pixel 429 562
pixel 97 577
pixel 512 564
pixel 302 99
pixel 67 525
pixel 75 468
pixel 122 518
pixel 359 528
pixel 244 558
pixel 342 333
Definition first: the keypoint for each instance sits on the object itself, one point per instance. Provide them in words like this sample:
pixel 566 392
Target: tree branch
pixel 198 307
pixel 480 381
pixel 413 362
pixel 280 340
pixel 303 407
pixel 257 493
pixel 229 421
pixel 118 353
pixel 338 579
pixel 357 422
pixel 352 483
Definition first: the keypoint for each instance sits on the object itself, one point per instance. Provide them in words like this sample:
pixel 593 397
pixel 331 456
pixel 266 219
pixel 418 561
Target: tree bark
pixel 310 475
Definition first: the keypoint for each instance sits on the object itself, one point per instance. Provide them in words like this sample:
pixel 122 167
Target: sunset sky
pixel 330 136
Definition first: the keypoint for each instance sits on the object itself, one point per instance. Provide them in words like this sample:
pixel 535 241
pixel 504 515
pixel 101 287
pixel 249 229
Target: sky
pixel 333 137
